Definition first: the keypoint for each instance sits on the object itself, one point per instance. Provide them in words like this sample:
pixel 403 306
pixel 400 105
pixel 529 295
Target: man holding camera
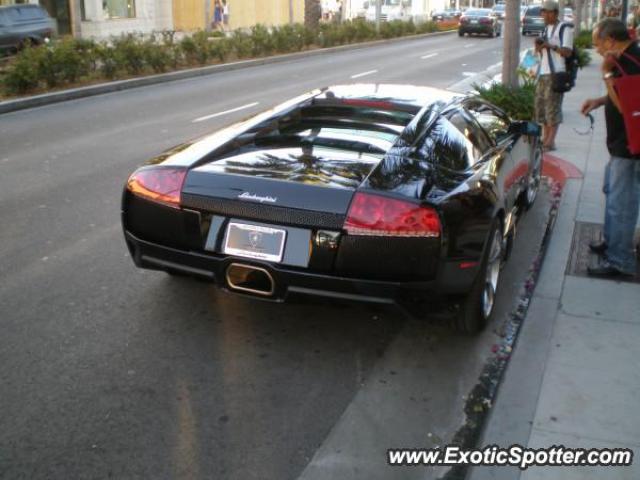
pixel 622 175
pixel 553 47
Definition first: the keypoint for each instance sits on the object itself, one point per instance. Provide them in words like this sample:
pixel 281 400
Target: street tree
pixel 511 46
pixel 578 11
pixel 312 13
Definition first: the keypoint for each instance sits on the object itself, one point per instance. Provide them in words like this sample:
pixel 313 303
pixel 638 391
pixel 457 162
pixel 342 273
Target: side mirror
pixel 525 128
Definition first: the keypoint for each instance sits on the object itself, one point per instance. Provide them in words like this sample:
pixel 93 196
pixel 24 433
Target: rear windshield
pixel 499 8
pixel 478 13
pixel 533 12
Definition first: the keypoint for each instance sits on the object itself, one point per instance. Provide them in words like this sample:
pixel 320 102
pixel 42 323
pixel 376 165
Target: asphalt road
pixel 107 371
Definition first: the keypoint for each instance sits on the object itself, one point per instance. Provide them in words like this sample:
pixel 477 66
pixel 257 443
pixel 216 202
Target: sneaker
pixel 598 246
pixel 605 270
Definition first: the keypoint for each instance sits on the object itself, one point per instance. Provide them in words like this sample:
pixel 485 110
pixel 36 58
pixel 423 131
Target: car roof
pixel 478 11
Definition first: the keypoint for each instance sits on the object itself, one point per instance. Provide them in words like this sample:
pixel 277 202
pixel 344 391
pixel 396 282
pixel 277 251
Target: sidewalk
pixel 574 377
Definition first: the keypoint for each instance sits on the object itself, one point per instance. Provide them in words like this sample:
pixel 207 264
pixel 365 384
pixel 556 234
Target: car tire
pixel 460 33
pixel 533 180
pixel 524 33
pixel 492 33
pixel 476 309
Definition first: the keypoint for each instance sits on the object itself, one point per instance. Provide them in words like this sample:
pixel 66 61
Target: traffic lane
pixel 222 90
pixel 106 368
pixel 112 369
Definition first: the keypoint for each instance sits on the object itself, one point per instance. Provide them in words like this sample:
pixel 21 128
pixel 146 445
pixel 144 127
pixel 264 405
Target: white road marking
pixel 430 55
pixel 364 73
pixel 468 74
pixel 207 117
pixel 469 45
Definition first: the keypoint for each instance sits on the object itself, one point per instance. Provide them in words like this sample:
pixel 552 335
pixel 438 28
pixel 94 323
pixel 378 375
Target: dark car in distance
pixel 444 15
pixel 479 20
pixel 499 10
pixel 532 21
pixel 374 193
pixel 24 23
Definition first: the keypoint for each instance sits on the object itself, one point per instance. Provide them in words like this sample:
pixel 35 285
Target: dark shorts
pixel 548 104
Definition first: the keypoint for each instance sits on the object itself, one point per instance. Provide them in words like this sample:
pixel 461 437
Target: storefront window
pixel 119 8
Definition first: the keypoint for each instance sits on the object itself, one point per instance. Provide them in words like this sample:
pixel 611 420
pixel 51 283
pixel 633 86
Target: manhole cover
pixel 581 257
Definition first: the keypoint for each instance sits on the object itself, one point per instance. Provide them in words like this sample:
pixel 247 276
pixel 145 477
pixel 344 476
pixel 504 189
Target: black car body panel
pixel 297 168
pixel 24 22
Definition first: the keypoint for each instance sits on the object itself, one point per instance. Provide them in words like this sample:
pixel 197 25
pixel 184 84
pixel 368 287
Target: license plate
pixel 254 241
pixel 474 21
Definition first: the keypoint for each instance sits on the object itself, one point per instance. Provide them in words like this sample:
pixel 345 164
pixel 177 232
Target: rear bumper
pixel 486 29
pixel 296 281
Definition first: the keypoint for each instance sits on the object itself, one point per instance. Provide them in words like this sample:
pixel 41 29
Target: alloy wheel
pixel 492 275
pixel 533 184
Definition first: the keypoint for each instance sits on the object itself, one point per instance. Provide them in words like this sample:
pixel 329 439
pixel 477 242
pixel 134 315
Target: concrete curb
pixel 88 91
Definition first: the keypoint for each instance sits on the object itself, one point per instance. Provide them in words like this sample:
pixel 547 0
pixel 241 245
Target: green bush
pixel 130 51
pixel 395 28
pixel 329 36
pixel 203 50
pixel 158 57
pixel 584 57
pixel 287 39
pixel 108 61
pixel 87 49
pixel 262 41
pixel 220 49
pixel 583 39
pixel 67 61
pixel 363 30
pixel 518 103
pixel 24 74
pixel 241 44
pixel 427 27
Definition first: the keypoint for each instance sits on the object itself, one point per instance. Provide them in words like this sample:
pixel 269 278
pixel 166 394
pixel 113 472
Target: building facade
pixel 103 18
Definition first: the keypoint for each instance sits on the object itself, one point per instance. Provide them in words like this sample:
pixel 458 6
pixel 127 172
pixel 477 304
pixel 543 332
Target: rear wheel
pixel 460 33
pixel 477 307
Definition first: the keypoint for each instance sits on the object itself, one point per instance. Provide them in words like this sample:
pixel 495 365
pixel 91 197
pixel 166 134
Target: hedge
pixel 72 62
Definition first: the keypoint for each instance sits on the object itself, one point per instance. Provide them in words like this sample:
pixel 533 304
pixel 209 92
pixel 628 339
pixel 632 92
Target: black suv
pixel 24 23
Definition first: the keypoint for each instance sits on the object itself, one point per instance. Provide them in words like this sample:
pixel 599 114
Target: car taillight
pixel 160 184
pixel 374 215
pixel 486 21
pixel 463 19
